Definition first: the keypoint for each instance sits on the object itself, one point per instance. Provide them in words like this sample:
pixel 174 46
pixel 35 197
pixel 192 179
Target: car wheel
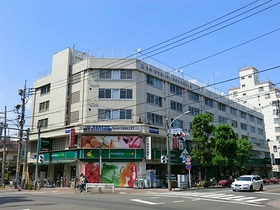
pixel 251 188
pixel 261 188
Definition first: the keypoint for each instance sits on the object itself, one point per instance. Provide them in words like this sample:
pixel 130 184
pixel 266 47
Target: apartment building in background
pixel 108 117
pixel 265 96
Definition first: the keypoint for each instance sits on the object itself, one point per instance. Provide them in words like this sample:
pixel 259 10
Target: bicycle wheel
pixel 77 187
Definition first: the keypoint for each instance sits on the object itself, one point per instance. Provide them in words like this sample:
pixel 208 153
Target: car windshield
pixel 244 178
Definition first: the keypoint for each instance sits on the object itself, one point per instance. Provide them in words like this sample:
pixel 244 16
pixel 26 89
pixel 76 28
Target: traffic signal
pixel 164 159
pixel 41 158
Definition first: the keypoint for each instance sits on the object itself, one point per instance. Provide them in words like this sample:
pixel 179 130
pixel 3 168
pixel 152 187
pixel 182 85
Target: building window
pixel 43 123
pixel 126 74
pixel 176 106
pixel 275 112
pixel 125 93
pixel 262 142
pixel 194 96
pixel 115 94
pixel 154 82
pixel 222 107
pixel 177 124
pixel 259 121
pixel 193 111
pixel 114 114
pixel 267 95
pixel 243 115
pixel 244 137
pixel 176 89
pixel 233 111
pixel 44 106
pixel 234 123
pixel 243 85
pixel 277 138
pixel 45 89
pixel 276 120
pixel 277 129
pixel 244 94
pixel 274 148
pixel 154 118
pixel 250 76
pixel 76 78
pixel 261 89
pixel 242 78
pixel 243 126
pixel 252 118
pixel 252 129
pixel 222 120
pixel 235 93
pixel 209 102
pixel 253 140
pixel 153 99
pixel 105 74
pixel 260 131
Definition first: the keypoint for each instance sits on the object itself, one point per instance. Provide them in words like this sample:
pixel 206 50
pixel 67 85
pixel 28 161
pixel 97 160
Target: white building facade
pixel 108 119
pixel 265 96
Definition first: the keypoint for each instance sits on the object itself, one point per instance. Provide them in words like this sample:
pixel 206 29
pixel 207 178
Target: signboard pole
pixel 38 147
pixel 190 181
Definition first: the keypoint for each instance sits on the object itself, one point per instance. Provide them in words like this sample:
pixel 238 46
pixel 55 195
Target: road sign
pixel 188 163
pixel 188 158
pixel 183 159
pixel 185 153
pixel 188 167
pixel 175 131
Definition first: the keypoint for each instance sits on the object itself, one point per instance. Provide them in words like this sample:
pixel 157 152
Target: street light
pixel 168 150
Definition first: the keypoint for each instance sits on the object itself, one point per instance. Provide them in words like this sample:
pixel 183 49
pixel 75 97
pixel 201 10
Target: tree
pixel 203 144
pixel 225 151
pixel 243 152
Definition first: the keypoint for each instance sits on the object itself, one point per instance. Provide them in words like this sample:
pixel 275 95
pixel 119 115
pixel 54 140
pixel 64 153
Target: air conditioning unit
pixel 139 120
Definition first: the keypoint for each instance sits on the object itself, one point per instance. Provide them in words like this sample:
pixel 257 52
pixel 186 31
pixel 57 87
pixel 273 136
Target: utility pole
pixel 4 145
pixel 22 122
pixel 38 147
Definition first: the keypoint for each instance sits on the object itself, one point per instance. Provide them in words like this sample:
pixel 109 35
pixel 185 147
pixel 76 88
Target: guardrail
pixel 100 186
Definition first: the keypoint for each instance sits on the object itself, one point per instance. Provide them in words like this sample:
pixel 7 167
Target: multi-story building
pixel 265 96
pixel 115 113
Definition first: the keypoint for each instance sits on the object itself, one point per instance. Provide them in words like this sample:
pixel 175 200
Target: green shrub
pixel 206 183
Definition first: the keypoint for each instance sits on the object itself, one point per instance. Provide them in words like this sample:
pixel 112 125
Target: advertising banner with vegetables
pixel 107 142
pixel 121 174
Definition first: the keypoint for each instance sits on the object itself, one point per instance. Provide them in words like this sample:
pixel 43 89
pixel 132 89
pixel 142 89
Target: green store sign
pixel 64 155
pixel 112 153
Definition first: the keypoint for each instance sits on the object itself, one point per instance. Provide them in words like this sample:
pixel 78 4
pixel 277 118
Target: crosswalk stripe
pixel 246 198
pixel 257 200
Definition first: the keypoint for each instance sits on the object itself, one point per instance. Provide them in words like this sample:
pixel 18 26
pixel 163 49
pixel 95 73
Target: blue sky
pixel 32 31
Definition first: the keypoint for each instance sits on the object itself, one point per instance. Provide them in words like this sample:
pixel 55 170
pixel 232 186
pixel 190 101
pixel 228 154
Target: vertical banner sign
pixel 83 169
pixel 148 148
pixel 72 138
pixel 175 143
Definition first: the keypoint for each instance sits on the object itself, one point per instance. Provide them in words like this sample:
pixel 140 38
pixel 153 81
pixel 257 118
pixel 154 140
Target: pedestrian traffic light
pixel 41 158
pixel 164 159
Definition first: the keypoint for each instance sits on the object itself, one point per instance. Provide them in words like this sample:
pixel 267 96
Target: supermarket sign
pixel 100 128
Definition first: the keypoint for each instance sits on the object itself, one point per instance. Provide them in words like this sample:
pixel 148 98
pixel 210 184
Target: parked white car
pixel 248 182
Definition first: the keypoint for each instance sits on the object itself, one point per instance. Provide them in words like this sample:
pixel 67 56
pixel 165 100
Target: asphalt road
pixel 210 199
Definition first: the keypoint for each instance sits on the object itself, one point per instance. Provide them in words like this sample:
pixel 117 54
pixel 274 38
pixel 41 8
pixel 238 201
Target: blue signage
pixel 153 130
pixel 97 128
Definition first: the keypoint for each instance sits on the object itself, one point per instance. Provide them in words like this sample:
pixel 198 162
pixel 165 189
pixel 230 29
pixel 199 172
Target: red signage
pixel 175 143
pixel 72 138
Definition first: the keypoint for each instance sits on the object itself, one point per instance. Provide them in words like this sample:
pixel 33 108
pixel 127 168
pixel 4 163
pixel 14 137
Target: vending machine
pixel 151 178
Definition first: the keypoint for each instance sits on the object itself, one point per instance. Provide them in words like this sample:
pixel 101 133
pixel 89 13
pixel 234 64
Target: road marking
pixel 257 200
pixel 181 201
pixel 146 202
pixel 154 198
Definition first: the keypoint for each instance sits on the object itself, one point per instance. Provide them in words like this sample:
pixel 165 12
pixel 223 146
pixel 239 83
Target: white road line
pixel 146 202
pixel 154 198
pixel 257 200
pixel 246 198
pixel 181 201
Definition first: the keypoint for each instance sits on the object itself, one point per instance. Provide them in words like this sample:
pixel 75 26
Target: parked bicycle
pixel 38 184
pixel 15 185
